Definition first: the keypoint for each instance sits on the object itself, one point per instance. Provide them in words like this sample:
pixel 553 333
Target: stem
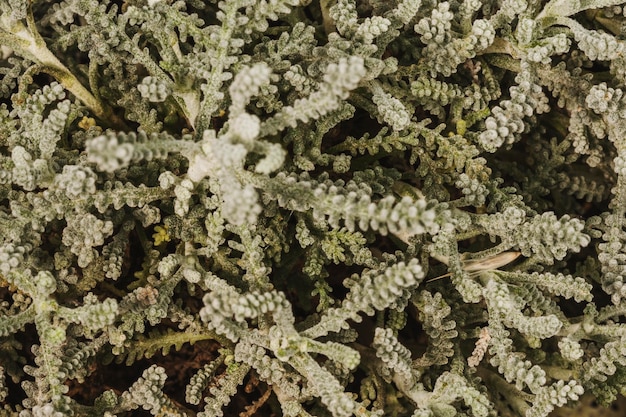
pixel 610 24
pixel 211 92
pixel 558 372
pixel 559 8
pixel 514 398
pixel 27 42
pixel 329 23
pixel 500 46
pixel 504 62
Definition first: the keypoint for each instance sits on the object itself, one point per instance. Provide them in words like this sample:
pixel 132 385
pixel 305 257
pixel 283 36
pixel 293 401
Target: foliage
pixel 403 207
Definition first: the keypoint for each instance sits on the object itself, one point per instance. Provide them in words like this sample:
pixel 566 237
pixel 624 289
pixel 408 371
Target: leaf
pixel 146 347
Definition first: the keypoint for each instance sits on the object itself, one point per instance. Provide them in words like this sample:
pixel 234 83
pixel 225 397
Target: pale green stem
pixel 559 8
pixel 26 41
pixel 209 104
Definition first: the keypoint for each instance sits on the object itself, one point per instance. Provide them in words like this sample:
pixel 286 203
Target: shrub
pixel 296 207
